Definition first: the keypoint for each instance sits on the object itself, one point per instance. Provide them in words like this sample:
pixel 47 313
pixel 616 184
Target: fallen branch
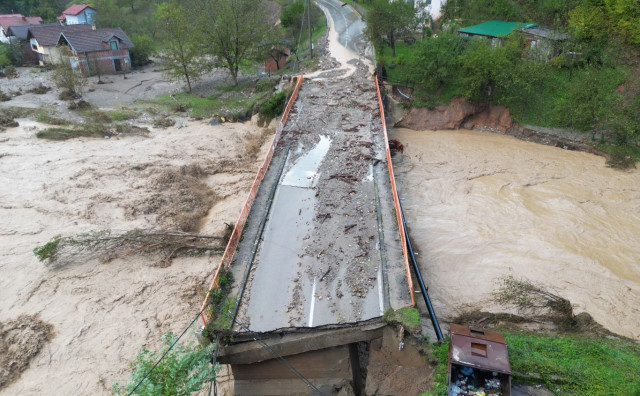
pixel 107 245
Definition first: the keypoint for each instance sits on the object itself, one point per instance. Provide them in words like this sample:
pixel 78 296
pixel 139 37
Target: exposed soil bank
pixel 460 113
pixel 483 206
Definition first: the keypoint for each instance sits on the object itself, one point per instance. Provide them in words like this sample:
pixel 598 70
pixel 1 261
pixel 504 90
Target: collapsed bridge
pixel 318 254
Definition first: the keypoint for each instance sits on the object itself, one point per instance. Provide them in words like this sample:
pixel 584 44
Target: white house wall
pixel 85 17
pixel 3 38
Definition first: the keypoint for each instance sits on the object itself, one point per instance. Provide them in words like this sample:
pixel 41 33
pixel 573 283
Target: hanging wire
pixel 281 359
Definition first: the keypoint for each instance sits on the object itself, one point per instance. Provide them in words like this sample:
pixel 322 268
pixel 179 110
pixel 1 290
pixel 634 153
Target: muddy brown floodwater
pixel 103 313
pixel 482 206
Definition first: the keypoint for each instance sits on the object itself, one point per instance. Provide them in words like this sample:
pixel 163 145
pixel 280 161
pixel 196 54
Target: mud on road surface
pixel 322 259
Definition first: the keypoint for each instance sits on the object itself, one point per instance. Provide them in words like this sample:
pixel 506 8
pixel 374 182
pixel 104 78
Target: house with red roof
pixel 8 20
pixel 78 14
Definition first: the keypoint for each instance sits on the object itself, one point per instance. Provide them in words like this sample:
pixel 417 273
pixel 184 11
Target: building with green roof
pixel 546 42
pixel 495 29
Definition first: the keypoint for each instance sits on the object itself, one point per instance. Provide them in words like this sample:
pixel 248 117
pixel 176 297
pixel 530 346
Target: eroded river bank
pixel 483 206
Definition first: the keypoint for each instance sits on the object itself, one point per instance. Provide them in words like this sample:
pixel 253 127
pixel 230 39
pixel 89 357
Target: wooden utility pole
pixel 309 22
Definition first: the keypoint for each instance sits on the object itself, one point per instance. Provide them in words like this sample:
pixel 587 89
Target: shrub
pixel 69 80
pixel 142 50
pixel 183 370
pixel 274 106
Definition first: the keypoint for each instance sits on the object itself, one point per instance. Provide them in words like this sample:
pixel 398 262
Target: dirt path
pixel 115 91
pixel 104 312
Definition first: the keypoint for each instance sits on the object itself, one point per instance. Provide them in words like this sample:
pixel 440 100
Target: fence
pixel 234 240
pixel 396 201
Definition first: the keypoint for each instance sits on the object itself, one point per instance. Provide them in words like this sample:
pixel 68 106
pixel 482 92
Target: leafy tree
pixel 182 54
pixel 591 99
pixel 291 17
pixel 69 80
pixel 625 15
pixel 10 54
pixel 232 31
pixel 435 62
pixel 521 82
pixel 183 370
pixel 142 50
pixel 391 20
pixel 486 69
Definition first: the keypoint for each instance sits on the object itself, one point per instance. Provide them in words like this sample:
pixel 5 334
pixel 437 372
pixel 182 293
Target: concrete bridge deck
pixel 322 245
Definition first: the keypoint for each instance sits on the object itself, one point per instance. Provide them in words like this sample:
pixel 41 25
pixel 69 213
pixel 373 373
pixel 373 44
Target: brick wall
pixel 104 60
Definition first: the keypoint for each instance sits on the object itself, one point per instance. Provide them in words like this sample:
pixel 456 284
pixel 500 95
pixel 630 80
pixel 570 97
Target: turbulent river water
pixel 483 206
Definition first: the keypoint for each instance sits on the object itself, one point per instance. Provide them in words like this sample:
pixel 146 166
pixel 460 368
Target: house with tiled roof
pixel 9 20
pixel 90 50
pixel 99 51
pixel 78 14
pixel 43 40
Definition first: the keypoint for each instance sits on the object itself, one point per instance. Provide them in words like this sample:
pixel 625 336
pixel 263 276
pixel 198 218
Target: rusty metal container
pixel 478 363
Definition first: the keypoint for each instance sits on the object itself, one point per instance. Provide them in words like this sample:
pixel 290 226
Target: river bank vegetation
pixel 591 83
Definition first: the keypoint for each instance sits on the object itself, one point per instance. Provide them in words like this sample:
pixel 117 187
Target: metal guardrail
pixel 234 239
pixel 396 200
pixel 407 248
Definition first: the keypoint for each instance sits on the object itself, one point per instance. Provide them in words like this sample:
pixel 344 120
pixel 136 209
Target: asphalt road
pixel 322 258
pixel 347 23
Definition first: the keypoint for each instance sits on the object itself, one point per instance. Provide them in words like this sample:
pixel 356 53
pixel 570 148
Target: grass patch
pixel 578 365
pixel 122 115
pixel 408 317
pixel 46 118
pixel 96 116
pixel 89 130
pixel 17 112
pixel 232 102
pixel 622 156
pixel 574 365
pixel 365 5
pixel 396 70
pixel 441 353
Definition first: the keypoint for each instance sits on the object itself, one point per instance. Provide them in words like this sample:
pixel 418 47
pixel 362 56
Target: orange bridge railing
pixel 396 201
pixel 234 240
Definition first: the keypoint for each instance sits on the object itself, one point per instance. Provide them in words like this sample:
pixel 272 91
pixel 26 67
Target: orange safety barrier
pixel 234 240
pixel 396 201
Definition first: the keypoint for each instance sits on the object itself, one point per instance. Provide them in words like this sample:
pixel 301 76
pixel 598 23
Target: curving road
pixel 347 23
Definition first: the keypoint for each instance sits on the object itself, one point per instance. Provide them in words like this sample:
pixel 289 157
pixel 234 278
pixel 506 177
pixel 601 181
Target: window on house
pixel 113 45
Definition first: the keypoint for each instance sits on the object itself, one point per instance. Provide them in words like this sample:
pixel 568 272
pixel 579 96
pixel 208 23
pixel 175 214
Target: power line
pixel 166 352
pixel 300 33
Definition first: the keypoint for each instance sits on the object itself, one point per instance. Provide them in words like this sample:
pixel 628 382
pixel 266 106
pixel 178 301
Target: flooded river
pixel 483 205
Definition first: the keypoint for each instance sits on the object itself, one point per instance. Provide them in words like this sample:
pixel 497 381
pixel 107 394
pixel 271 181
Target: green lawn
pixel 574 365
pixel 395 66
pixel 237 101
